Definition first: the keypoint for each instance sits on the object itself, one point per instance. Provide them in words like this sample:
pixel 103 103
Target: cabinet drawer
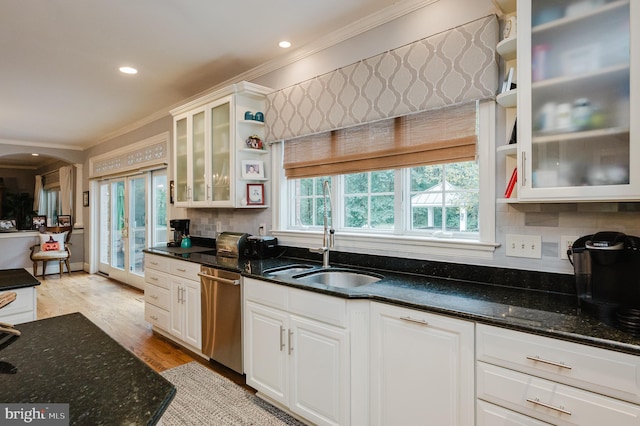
pixel 184 269
pixel 159 263
pixel 550 401
pixel 273 295
pixel 156 316
pixel 157 278
pixel 608 372
pixel 328 309
pixel 22 309
pixel 157 296
pixel 492 415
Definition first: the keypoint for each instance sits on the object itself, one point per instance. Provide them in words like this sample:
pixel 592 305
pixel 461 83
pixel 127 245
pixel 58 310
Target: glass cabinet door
pixel 198 151
pixel 182 160
pixel 221 151
pixel 577 143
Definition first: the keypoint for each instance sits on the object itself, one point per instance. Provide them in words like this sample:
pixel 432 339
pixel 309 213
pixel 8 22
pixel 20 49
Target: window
pixel 444 201
pixel 52 204
pixel 421 210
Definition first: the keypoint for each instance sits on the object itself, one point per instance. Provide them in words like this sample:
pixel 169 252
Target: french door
pixel 126 204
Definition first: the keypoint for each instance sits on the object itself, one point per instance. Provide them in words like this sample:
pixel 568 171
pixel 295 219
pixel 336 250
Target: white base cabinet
pixel 554 381
pixel 172 299
pixel 23 309
pixel 297 351
pixel 422 368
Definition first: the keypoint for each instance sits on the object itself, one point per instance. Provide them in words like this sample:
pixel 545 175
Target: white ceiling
pixel 59 79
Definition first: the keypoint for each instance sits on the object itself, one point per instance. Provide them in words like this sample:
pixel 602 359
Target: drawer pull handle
pixel 154 263
pixel 154 278
pixel 546 361
pixel 181 269
pixel 536 401
pixel 417 321
pixel 153 296
pixel 153 317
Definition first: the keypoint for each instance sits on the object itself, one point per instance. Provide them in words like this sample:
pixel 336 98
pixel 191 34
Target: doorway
pixel 132 217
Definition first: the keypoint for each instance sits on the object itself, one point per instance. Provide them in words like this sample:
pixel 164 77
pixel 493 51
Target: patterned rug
pixel 204 397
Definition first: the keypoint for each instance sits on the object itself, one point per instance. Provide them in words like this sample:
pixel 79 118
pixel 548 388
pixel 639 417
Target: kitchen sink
pixel 287 270
pixel 343 278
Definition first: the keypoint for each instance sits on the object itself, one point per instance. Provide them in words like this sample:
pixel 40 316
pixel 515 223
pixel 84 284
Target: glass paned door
pixel 123 228
pixel 220 152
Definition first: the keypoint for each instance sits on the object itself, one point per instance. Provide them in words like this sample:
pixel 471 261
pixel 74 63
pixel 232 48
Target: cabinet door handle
pixel 536 358
pixel 208 192
pixel 414 320
pixel 560 409
pixel 290 345
pixel 281 338
pixel 523 168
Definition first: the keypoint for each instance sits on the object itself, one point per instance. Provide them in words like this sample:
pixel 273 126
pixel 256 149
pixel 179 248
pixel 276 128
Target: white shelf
pixel 255 122
pixel 507 99
pixel 581 136
pixel 507 48
pixel 254 151
pixel 567 20
pixel 507 6
pixel 510 149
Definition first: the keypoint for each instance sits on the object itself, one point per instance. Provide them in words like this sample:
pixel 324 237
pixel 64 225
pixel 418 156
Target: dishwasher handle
pixel 219 279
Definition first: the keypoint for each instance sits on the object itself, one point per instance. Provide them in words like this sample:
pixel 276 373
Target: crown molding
pixel 41 144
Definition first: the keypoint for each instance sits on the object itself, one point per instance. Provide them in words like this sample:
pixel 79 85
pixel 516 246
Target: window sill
pixel 397 246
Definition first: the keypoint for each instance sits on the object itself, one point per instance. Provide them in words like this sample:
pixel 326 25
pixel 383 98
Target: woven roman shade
pixel 438 136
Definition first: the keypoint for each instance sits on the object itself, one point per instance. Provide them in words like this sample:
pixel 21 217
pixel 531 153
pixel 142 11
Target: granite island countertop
pixel 11 279
pixel 68 359
pixel 525 309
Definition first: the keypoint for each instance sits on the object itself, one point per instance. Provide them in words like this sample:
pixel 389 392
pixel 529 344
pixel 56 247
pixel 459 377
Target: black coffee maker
pixel 607 271
pixel 180 228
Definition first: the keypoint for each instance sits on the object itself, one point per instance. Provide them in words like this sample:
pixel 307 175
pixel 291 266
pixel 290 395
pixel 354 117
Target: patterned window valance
pixel 453 67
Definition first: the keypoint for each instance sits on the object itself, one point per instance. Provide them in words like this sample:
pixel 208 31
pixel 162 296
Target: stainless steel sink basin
pixel 343 278
pixel 288 270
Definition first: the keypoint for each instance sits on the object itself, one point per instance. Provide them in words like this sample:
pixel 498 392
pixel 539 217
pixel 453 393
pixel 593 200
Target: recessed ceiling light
pixel 128 70
pixel 35 154
pixel 284 44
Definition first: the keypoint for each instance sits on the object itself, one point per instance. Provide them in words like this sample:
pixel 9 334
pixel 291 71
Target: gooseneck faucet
pixel 328 232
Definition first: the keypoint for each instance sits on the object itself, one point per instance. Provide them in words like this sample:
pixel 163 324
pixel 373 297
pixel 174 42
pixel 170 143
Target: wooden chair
pixel 52 249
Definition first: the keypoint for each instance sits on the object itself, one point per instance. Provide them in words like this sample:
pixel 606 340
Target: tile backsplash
pixel 204 221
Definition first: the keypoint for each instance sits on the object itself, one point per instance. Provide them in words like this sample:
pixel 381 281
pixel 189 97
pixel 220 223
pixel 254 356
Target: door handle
pixel 219 279
pixel 290 345
pixel 281 338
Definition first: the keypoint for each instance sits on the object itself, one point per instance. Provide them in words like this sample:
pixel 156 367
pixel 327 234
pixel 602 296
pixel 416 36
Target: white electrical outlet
pixel 566 242
pixel 262 229
pixel 524 246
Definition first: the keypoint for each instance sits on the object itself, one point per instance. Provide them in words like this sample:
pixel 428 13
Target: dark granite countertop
pixel 530 302
pixel 16 278
pixel 68 359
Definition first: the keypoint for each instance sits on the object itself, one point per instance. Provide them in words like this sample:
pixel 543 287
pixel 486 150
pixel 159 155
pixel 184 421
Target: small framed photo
pixel 38 222
pixel 85 198
pixel 255 194
pixel 7 225
pixel 252 169
pixel 64 220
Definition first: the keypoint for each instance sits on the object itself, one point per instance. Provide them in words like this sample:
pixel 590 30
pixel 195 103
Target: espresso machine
pixel 180 228
pixel 607 271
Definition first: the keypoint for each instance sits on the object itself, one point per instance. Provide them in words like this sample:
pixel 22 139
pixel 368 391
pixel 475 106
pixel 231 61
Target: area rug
pixel 204 397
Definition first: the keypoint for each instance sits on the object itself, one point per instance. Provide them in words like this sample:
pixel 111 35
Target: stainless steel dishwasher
pixel 221 317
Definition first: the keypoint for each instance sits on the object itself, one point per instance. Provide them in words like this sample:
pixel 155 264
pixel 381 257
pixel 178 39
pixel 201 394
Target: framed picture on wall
pixel 255 194
pixel 64 220
pixel 38 222
pixel 252 169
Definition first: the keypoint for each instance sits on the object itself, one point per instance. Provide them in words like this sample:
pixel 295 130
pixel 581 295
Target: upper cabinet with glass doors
pixel 578 86
pixel 215 137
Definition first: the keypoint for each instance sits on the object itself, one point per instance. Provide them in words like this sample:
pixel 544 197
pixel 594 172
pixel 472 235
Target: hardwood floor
pixel 118 309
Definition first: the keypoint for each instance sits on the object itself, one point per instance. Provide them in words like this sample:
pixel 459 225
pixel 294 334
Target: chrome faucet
pixel 328 232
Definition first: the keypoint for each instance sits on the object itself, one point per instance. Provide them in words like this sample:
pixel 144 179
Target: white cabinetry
pixel 578 74
pixel 422 368
pixel 553 381
pixel 210 148
pixel 297 351
pixel 172 299
pixel 22 309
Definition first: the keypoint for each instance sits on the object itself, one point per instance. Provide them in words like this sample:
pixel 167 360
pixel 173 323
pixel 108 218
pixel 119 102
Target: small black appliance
pixel 261 247
pixel 607 271
pixel 180 228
